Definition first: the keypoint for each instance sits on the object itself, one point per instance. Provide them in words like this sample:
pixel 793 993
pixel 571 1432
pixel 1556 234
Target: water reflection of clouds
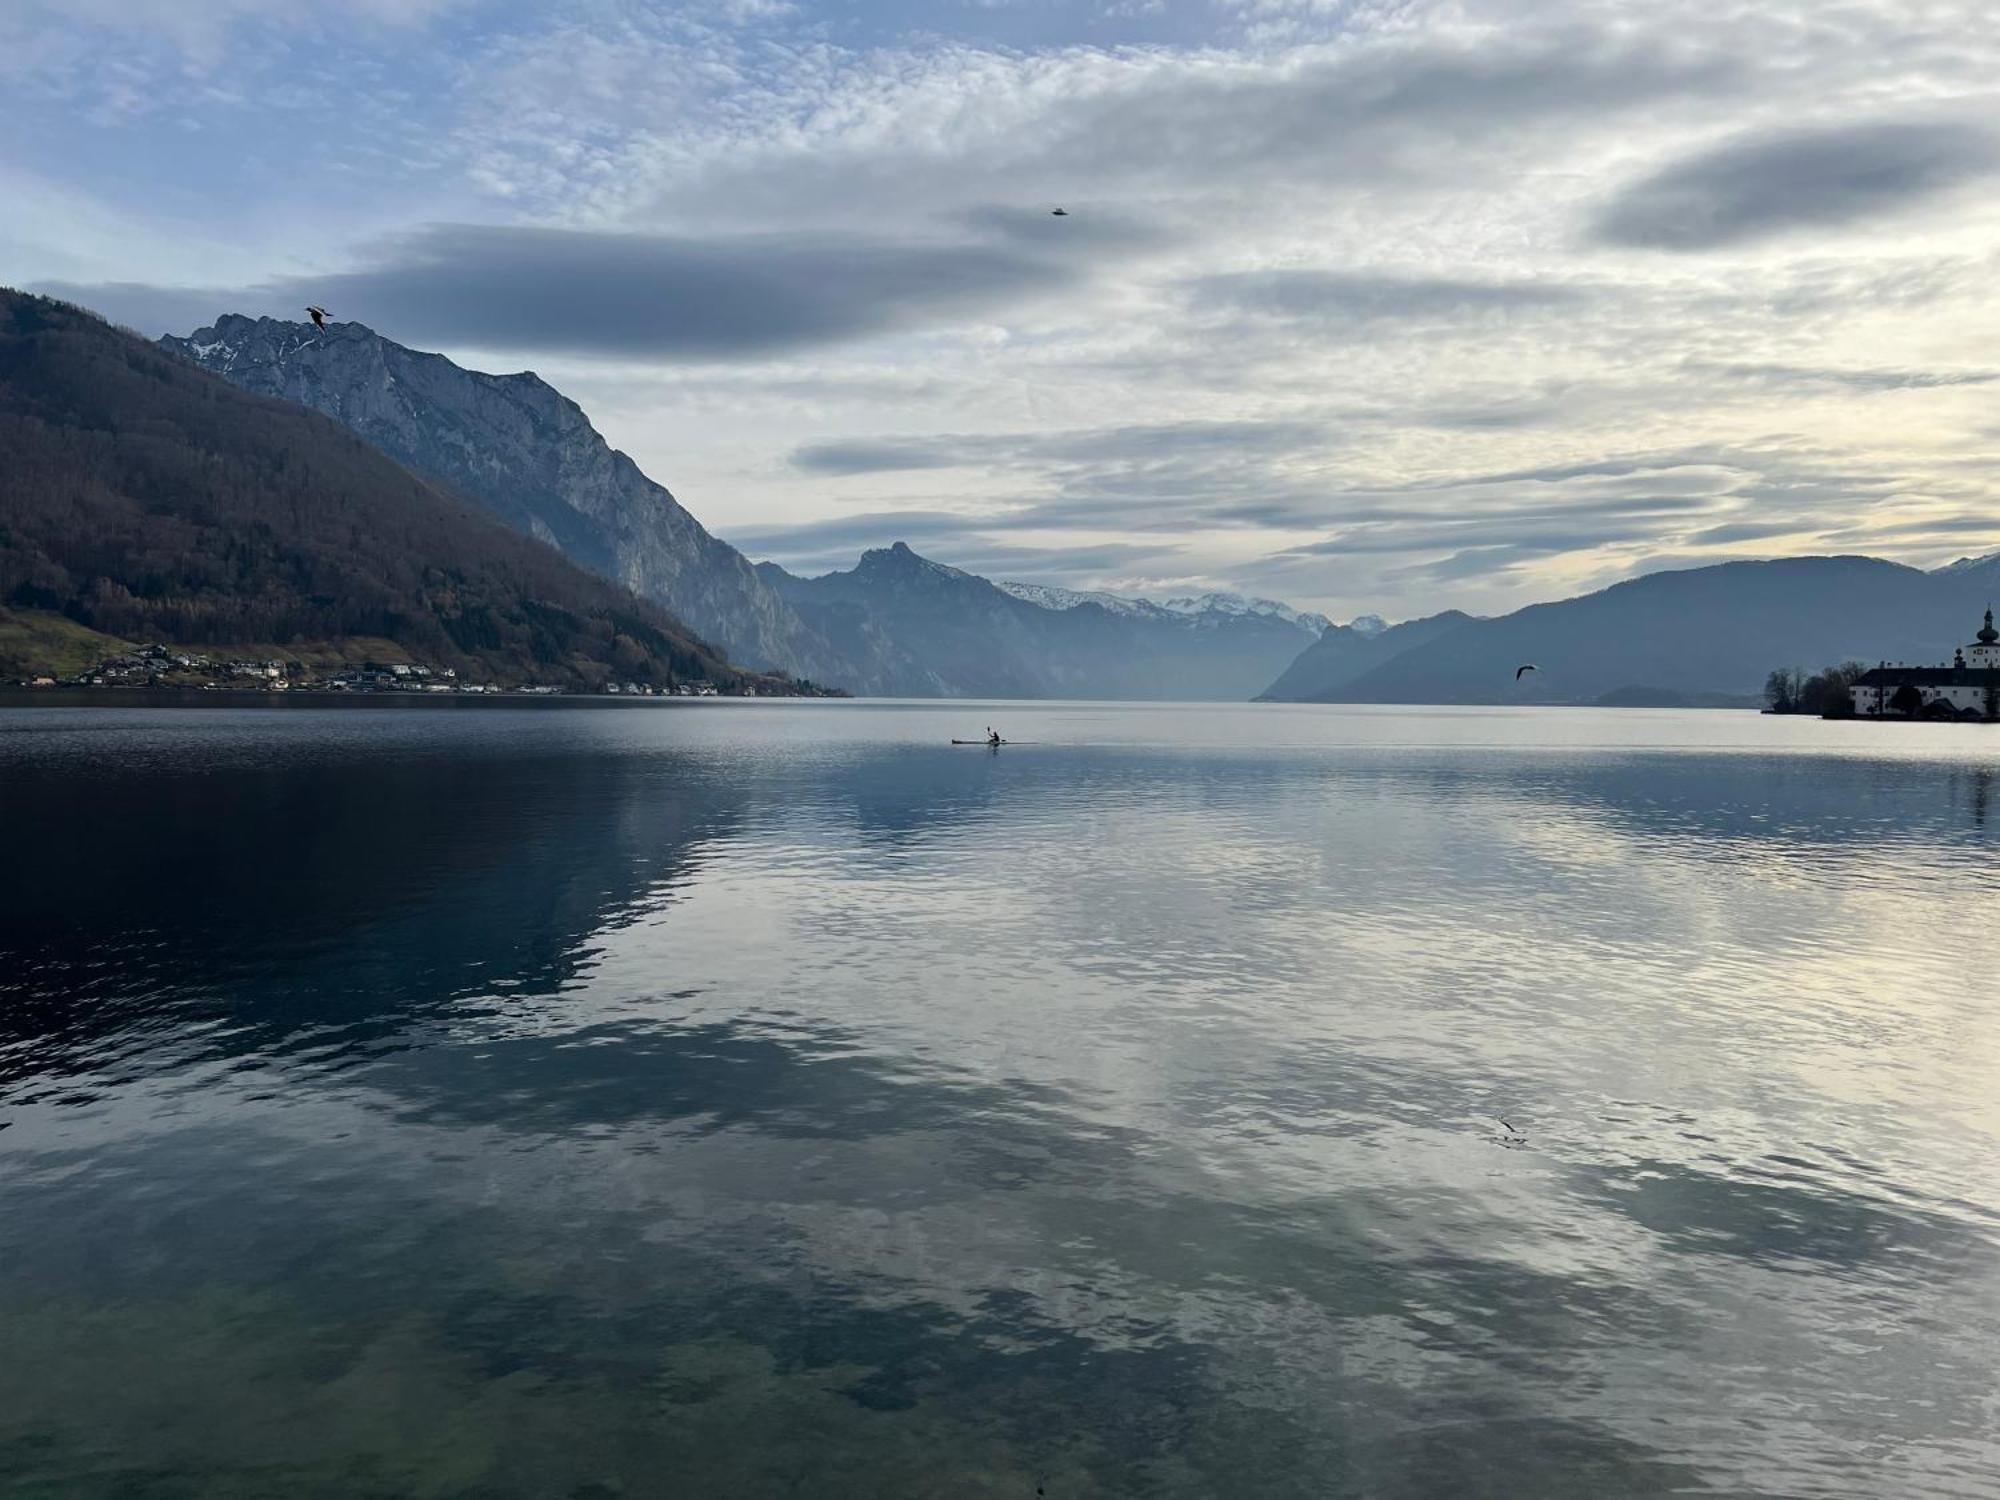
pixel 1138 1089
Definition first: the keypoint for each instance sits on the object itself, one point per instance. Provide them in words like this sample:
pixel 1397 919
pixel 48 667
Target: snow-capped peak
pixel 1188 607
pixel 1239 604
pixel 1048 596
pixel 1967 564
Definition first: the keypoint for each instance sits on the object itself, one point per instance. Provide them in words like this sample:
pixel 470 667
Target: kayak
pixel 989 742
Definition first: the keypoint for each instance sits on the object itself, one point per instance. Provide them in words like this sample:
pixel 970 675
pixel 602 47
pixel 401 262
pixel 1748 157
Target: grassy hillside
pixel 146 499
pixel 34 640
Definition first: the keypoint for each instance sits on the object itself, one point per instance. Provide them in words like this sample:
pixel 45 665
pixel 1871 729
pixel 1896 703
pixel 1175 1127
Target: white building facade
pixel 1967 689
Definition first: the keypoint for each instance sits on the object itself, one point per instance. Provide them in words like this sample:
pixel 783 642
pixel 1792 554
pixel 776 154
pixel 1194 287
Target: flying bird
pixel 1520 672
pixel 318 315
pixel 1060 213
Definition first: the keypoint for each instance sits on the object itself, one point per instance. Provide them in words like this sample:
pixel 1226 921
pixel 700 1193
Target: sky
pixel 1368 305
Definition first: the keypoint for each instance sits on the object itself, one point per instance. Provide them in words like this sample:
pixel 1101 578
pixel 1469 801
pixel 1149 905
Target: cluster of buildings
pixel 1967 689
pixel 147 666
pixel 174 667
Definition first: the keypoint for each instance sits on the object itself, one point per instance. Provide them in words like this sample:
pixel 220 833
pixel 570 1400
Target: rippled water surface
pixel 773 1099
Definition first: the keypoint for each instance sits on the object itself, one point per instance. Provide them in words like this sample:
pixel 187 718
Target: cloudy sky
pixel 1366 304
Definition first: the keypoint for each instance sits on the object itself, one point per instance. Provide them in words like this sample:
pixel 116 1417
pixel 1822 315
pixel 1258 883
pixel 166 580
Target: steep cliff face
pixel 526 452
pixel 147 500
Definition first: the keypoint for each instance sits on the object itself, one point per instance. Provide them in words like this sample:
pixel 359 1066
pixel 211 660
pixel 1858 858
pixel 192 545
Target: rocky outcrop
pixel 521 449
pixel 147 500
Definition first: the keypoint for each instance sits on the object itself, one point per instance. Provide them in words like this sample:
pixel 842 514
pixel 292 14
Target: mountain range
pixel 147 500
pixel 1697 636
pixel 524 451
pixel 1184 608
pixel 896 625
pixel 928 630
pixel 1345 653
pixel 447 439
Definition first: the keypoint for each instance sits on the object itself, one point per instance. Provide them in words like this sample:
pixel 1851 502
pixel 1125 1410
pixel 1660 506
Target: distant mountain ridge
pixel 144 498
pixel 1344 653
pixel 1699 635
pixel 526 452
pixel 1185 607
pixel 530 455
pixel 900 624
pixel 923 629
pixel 1968 565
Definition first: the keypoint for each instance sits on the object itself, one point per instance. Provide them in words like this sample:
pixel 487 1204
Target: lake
pixel 772 1099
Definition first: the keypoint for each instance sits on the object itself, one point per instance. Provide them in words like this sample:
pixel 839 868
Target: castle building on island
pixel 1967 689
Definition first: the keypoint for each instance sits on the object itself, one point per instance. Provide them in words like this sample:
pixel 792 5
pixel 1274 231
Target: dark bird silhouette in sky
pixel 318 315
pixel 1520 672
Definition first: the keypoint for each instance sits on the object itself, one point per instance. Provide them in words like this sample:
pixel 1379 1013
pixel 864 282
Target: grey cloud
pixel 1753 187
pixel 1362 298
pixel 865 457
pixel 965 540
pixel 1363 113
pixel 1061 565
pixel 1807 377
pixel 855 532
pixel 1551 530
pixel 988 559
pixel 1745 531
pixel 1162 482
pixel 1175 130
pixel 1139 443
pixel 1489 418
pixel 1099 227
pixel 1479 562
pixel 590 293
pixel 154 310
pixel 1938 526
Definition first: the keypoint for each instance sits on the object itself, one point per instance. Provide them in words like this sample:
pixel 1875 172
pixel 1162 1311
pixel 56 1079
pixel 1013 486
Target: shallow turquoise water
pixel 735 1099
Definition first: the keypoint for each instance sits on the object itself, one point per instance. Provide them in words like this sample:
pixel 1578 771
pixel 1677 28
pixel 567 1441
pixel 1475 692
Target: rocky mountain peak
pixel 520 448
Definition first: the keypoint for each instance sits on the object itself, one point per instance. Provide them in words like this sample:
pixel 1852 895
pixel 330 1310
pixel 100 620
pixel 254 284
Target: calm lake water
pixel 732 1100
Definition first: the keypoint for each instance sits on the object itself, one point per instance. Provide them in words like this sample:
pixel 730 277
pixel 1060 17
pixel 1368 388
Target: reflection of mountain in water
pixel 256 900
pixel 477 1195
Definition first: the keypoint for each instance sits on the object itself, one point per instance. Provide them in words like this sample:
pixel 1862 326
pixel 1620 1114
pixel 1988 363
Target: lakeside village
pixel 1967 691
pixel 170 667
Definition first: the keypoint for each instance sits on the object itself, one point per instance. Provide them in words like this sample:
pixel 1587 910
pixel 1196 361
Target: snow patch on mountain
pixel 1966 565
pixel 1047 596
pixel 1239 604
pixel 1189 607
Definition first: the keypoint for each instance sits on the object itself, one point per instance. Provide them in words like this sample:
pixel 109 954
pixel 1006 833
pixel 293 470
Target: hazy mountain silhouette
pixel 917 628
pixel 1704 634
pixel 1343 654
